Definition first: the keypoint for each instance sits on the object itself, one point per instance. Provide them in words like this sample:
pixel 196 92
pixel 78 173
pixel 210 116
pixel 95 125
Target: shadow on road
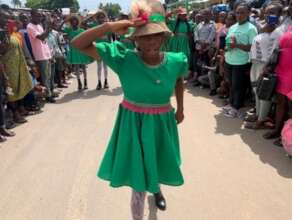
pixel 89 94
pixel 268 153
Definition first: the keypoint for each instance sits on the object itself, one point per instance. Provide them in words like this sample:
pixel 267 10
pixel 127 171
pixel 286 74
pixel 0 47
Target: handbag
pixel 266 86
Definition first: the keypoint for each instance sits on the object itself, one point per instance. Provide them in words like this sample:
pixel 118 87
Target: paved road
pixel 47 172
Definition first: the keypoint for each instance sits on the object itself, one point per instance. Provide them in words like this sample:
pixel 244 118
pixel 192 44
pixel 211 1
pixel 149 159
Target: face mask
pixel 272 19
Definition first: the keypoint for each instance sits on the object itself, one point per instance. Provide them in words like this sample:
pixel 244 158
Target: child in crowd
pixel 210 76
pixel 203 37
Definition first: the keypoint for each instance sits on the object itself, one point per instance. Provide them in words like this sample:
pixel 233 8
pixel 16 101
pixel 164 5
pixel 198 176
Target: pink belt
pixel 145 108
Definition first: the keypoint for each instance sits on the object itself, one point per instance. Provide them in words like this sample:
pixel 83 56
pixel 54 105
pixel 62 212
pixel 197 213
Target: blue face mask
pixel 272 19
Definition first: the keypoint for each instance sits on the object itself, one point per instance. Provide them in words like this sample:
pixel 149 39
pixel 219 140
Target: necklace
pixel 155 78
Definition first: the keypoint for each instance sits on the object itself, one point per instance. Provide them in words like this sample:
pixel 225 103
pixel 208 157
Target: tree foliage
pixel 53 4
pixel 113 10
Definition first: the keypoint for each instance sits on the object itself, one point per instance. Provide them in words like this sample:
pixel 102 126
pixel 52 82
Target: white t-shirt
pixel 263 46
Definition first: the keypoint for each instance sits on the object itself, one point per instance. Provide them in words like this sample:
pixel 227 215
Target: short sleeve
pixel 32 32
pixel 252 34
pixel 183 65
pixel 67 30
pixel 113 54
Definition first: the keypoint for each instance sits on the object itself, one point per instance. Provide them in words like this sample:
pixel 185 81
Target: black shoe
pixel 160 201
pixel 213 92
pixel 99 86
pixel 105 84
pixel 85 84
pixel 79 85
pixel 50 100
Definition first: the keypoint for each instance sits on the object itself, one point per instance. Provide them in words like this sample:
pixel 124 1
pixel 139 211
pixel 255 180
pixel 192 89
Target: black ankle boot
pixel 79 85
pixel 105 84
pixel 85 84
pixel 99 86
pixel 160 201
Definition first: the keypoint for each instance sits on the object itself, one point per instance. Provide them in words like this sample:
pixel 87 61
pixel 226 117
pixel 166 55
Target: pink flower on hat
pixel 143 15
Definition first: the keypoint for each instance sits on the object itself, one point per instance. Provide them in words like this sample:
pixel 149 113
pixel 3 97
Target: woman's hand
pixel 233 43
pixel 179 116
pixel 121 27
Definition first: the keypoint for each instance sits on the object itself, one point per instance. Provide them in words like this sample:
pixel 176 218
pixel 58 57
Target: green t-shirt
pixel 244 34
pixel 143 83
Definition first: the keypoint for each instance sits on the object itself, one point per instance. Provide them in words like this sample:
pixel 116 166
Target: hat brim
pixel 150 29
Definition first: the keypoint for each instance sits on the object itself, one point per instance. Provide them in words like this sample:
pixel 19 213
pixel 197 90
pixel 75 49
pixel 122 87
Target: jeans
pixel 238 77
pixel 45 69
pixel 52 78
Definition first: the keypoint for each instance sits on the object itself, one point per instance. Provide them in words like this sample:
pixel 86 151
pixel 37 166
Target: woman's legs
pixel 76 69
pixel 84 69
pixel 137 205
pixel 281 113
pixel 99 68
pixel 105 69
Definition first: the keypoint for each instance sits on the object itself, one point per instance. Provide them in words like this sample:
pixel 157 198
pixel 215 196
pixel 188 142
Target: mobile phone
pixel 272 19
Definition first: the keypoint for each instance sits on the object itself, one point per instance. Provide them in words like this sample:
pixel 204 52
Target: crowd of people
pixel 37 61
pixel 243 55
pixel 236 51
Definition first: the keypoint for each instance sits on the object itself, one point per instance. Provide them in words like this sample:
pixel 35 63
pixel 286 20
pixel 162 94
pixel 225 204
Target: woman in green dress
pixel 75 57
pixel 143 151
pixel 182 39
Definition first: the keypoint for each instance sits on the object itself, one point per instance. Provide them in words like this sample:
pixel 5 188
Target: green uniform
pixel 143 151
pixel 180 41
pixel 74 56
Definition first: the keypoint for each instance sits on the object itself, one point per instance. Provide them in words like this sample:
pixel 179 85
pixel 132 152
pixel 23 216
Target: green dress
pixel 17 72
pixel 180 41
pixel 143 151
pixel 74 56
